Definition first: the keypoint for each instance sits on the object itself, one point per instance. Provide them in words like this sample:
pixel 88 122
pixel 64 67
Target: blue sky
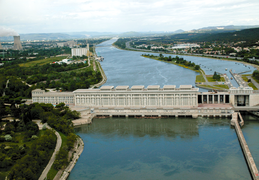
pixel 46 16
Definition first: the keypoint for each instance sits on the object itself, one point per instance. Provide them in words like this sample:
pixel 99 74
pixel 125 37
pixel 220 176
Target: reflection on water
pixel 142 127
pixel 171 148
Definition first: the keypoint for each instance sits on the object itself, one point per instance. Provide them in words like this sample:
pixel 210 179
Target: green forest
pixel 24 150
pixel 66 77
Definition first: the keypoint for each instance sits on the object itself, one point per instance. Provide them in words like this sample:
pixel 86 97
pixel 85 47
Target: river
pixel 169 148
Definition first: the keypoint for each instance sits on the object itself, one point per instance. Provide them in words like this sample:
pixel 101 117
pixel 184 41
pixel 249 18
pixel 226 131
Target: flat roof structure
pixel 153 87
pixel 106 88
pixel 137 87
pixel 122 88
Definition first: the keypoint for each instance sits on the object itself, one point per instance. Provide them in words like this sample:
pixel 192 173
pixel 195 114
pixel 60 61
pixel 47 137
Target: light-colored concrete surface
pixel 85 119
pixel 249 159
pixel 53 157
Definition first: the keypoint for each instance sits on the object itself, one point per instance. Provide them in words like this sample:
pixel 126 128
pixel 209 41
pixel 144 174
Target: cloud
pixel 121 15
pixel 7 32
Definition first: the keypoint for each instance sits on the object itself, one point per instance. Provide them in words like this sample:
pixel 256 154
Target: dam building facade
pixel 153 96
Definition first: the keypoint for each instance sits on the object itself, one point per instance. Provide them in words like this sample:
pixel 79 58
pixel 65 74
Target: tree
pixel 197 67
pixel 216 76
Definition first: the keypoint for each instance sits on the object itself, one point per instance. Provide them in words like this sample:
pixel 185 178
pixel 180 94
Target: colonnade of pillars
pixel 213 99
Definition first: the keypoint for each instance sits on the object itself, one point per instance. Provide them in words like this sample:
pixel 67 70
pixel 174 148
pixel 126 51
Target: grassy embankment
pixel 210 79
pixel 250 84
pixel 199 78
pixel 173 62
pixel 218 87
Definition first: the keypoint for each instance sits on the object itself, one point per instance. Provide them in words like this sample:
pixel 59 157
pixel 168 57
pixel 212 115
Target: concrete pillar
pixel 126 115
pixel 194 115
pixel 176 115
pixel 143 115
pixel 159 115
pixel 110 115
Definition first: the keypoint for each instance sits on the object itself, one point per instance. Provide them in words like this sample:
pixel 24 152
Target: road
pixel 53 157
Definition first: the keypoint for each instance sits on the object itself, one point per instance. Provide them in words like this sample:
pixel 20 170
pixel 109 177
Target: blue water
pixel 130 68
pixel 184 148
pixel 173 148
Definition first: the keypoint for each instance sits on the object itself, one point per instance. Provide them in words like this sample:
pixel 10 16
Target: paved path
pixel 204 76
pixel 53 157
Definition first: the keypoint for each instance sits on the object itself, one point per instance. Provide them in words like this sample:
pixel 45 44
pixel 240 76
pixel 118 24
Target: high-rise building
pixel 79 52
pixel 17 43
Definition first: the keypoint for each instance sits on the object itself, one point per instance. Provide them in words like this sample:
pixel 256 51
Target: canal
pixel 169 148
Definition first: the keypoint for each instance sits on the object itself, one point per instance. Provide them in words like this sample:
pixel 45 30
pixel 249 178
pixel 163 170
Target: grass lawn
pixel 210 79
pixel 244 77
pixel 42 61
pixel 200 78
pixel 222 86
pixel 250 84
pixel 219 87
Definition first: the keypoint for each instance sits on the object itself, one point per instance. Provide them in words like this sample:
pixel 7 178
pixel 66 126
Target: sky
pixel 51 16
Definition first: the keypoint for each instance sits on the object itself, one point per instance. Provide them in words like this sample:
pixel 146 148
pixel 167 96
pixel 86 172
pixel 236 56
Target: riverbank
pixel 76 152
pixel 202 80
pixel 225 59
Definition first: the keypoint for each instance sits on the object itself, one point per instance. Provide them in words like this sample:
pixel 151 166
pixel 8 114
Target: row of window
pixel 139 101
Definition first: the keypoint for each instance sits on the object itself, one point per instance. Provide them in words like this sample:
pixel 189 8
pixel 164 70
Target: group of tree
pixel 59 76
pixel 28 161
pixel 176 59
pixel 121 43
pixel 256 75
pixel 216 76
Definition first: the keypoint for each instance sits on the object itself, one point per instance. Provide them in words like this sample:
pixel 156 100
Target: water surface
pixel 172 148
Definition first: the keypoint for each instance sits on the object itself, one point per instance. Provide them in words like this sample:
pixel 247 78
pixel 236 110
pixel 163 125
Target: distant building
pixel 71 44
pixel 79 52
pixel 60 44
pixel 17 43
pixel 68 44
pixel 185 46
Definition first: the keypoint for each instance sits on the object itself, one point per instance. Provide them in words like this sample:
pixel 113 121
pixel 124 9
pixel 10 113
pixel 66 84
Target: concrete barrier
pixel 248 156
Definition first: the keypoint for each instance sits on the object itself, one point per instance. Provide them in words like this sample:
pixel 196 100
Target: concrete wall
pixel 254 99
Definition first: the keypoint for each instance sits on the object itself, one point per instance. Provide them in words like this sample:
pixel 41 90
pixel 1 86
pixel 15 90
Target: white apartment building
pixel 79 52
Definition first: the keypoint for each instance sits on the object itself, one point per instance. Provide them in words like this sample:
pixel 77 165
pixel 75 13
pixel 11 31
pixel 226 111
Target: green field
pixel 42 61
pixel 218 87
pixel 200 78
pixel 250 84
pixel 210 79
